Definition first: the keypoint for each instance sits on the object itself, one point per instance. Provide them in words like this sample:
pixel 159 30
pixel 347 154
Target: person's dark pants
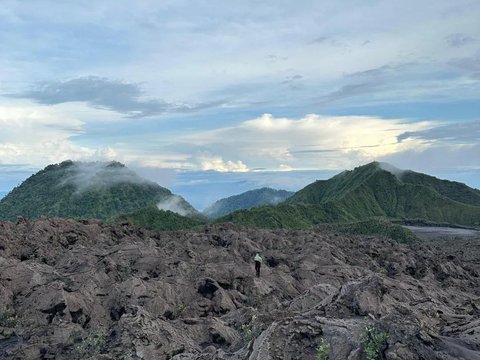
pixel 257 268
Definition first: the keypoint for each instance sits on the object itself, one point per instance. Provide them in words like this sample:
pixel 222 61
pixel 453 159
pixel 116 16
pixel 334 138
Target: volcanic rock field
pixel 83 289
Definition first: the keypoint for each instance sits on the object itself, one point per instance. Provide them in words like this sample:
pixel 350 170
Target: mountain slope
pixel 151 218
pixel 247 200
pixel 288 216
pixel 85 190
pixel 450 189
pixel 370 191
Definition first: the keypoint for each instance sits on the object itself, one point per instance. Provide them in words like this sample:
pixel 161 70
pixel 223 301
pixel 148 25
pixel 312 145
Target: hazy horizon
pixel 203 188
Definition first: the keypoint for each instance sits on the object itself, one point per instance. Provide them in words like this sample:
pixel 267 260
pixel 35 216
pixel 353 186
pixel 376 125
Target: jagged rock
pixel 78 289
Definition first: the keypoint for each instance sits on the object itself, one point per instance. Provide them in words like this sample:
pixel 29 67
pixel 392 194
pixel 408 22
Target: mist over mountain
pixel 376 190
pixel 176 204
pixel 86 190
pixel 247 200
pixel 372 190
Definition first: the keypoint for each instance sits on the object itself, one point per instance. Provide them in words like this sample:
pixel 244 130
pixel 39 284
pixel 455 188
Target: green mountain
pixel 287 216
pixel 87 190
pixel 247 200
pixel 152 218
pixel 370 191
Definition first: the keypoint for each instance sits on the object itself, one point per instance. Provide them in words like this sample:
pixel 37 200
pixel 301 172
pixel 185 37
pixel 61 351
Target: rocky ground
pixel 77 290
pixel 444 232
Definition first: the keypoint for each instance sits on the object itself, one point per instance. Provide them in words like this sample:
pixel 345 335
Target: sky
pixel 211 98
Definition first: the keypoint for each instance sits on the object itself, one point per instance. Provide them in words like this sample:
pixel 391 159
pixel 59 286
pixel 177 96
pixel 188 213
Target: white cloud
pixel 284 167
pixel 440 157
pixel 39 135
pixel 218 164
pixel 227 46
pixel 220 58
pixel 214 51
pixel 312 142
pixel 176 204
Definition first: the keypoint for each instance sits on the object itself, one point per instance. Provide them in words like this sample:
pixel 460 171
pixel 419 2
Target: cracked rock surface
pixel 83 289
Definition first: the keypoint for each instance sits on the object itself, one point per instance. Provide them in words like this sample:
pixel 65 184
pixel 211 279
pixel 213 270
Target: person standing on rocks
pixel 258 263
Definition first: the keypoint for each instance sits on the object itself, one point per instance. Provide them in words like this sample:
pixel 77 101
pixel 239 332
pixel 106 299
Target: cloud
pixel 455 133
pixel 311 142
pixel 176 204
pixel 319 40
pixel 292 80
pixel 38 136
pixel 458 40
pixel 380 71
pixel 313 151
pixel 439 158
pixel 391 169
pixel 218 164
pixel 216 50
pixel 452 148
pixel 348 91
pixel 325 40
pixel 469 65
pixel 407 82
pixel 122 97
pixel 86 175
pixel 35 122
pixel 275 58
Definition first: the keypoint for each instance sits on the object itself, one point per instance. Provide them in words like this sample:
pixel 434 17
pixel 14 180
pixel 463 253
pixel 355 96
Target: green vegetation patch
pixel 151 218
pixel 8 319
pixel 92 345
pixel 369 192
pixel 288 216
pixel 84 190
pixel 374 227
pixel 374 342
pixel 247 200
pixel 323 350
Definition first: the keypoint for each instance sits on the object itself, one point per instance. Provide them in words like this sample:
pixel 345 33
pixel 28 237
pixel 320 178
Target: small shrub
pixel 249 330
pixel 8 319
pixel 124 272
pixel 373 342
pixel 92 345
pixel 180 309
pixel 6 333
pixel 323 350
pixel 127 356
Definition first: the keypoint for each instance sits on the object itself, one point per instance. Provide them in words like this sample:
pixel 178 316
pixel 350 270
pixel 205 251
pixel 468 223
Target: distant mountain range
pixel 88 190
pixel 372 190
pixel 112 192
pixel 247 200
